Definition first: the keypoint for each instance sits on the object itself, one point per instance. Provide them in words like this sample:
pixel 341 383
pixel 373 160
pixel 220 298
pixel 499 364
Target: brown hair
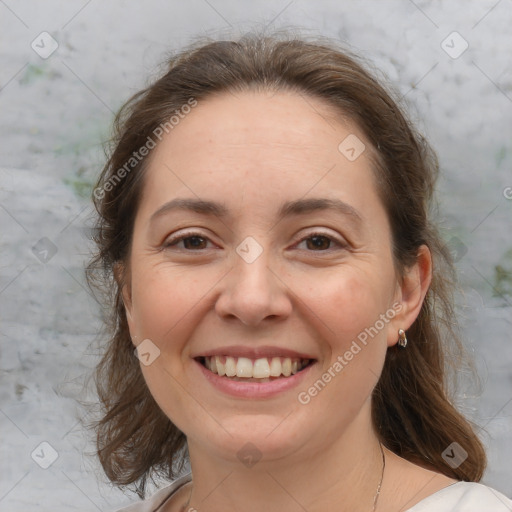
pixel 410 409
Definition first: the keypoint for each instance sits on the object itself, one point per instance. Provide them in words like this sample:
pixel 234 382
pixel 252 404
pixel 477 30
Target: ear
pixel 121 275
pixel 411 292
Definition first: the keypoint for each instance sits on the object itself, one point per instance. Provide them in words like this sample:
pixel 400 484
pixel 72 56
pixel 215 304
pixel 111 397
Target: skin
pixel 253 152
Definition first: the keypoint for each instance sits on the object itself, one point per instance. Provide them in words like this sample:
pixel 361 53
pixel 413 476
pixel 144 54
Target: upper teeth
pixel 259 368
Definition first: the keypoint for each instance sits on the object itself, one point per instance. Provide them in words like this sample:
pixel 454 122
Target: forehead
pixel 268 144
pixel 260 118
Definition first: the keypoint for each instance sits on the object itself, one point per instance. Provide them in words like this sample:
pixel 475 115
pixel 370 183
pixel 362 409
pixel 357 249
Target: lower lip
pixel 253 389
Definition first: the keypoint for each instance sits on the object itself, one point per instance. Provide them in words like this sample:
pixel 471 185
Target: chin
pixel 254 436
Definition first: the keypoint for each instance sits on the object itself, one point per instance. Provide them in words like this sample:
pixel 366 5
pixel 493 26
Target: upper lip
pixel 254 352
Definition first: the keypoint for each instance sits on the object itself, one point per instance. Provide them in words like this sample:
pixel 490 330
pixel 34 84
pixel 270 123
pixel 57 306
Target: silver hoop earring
pixel 402 338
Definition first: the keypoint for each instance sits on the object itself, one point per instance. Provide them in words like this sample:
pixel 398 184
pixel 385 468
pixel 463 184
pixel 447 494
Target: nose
pixel 254 292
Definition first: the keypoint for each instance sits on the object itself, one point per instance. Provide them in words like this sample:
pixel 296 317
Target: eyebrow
pixel 288 209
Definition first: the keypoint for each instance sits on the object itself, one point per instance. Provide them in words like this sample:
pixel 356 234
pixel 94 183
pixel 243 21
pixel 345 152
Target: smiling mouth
pixel 265 369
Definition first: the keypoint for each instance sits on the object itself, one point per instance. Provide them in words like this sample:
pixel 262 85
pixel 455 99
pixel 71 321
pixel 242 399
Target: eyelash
pixel 173 241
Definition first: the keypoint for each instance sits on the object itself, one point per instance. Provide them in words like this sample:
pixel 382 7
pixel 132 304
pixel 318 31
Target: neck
pixel 343 475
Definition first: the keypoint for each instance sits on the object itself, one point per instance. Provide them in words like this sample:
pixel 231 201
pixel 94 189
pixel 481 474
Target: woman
pixel 264 216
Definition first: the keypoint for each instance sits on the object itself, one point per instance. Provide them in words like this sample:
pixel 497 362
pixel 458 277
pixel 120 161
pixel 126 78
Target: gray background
pixel 55 113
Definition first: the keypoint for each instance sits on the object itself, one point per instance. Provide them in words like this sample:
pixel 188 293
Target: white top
pixel 464 497
pixel 458 497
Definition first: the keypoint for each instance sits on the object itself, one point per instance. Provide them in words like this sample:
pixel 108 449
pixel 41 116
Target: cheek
pixel 166 302
pixel 163 298
pixel 346 303
pixel 352 359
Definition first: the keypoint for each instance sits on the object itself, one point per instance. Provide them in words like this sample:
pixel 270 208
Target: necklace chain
pixel 375 498
pixel 377 494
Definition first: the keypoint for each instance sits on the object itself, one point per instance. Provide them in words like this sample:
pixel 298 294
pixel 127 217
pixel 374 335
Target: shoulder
pixel 154 502
pixel 464 497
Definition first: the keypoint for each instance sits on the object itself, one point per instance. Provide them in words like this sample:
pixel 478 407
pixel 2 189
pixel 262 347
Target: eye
pixel 321 242
pixel 191 241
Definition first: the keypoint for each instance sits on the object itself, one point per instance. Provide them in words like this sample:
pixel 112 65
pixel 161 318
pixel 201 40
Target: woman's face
pixel 285 258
